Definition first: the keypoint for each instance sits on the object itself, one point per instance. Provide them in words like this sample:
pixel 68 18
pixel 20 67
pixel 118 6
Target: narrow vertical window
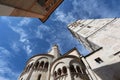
pixel 99 60
pixel 31 65
pixel 78 69
pixel 55 74
pixel 59 71
pixel 46 65
pixel 36 65
pixel 64 69
pixel 39 76
pixel 27 69
pixel 42 64
pixel 72 69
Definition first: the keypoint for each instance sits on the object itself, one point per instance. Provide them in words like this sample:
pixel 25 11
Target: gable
pixel 73 52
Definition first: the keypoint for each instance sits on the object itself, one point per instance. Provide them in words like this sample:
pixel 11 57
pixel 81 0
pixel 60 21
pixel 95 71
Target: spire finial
pixel 55 51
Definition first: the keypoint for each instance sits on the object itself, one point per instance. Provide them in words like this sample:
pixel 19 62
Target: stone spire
pixel 55 51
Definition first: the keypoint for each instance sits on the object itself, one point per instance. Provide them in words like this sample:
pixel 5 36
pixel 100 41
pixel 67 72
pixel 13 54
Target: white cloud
pixel 40 30
pixel 21 32
pixel 28 49
pixel 24 21
pixel 3 78
pixel 5 69
pixel 24 37
pixel 92 8
pixel 63 17
pixel 17 28
pixel 84 9
pixel 4 66
pixel 15 46
pixel 43 27
pixel 39 34
pixel 4 51
pixel 5 18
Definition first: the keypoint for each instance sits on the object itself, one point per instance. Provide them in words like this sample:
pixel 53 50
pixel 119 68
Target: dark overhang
pixel 41 9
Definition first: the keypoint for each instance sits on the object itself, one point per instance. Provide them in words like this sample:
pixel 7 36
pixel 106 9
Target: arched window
pixel 59 71
pixel 46 65
pixel 42 64
pixel 78 69
pixel 27 69
pixel 55 74
pixel 64 69
pixel 72 69
pixel 36 65
pixel 39 76
pixel 31 65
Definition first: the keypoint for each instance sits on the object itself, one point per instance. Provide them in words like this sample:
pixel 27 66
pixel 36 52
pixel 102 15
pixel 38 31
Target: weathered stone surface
pixel 58 68
pixel 104 34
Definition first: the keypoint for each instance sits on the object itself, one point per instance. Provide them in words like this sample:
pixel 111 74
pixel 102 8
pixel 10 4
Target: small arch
pixel 57 65
pixel 39 77
pixel 64 70
pixel 59 71
pixel 72 69
pixel 55 74
pixel 42 64
pixel 46 65
pixel 36 65
pixel 27 69
pixel 31 65
pixel 78 69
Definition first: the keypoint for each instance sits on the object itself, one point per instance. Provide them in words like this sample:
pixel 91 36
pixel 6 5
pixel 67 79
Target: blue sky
pixel 21 38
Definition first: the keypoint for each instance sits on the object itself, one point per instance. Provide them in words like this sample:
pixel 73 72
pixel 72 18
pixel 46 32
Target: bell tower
pixel 55 51
pixel 83 30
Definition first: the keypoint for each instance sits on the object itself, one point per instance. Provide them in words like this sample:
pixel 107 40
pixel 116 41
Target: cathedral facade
pixel 54 66
pixel 100 36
